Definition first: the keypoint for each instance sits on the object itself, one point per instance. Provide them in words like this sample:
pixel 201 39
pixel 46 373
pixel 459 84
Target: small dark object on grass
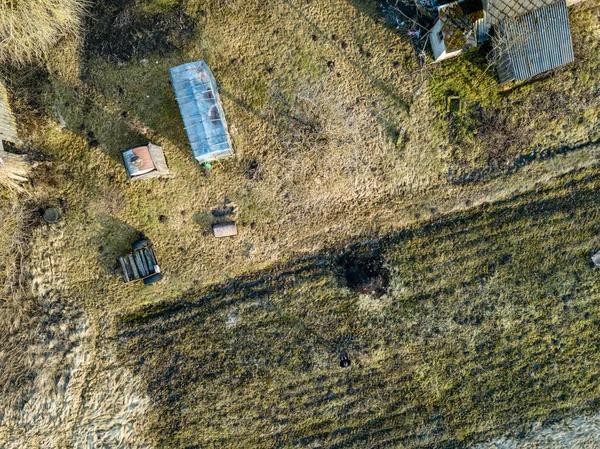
pixel 345 361
pixel 140 244
pixel 50 215
pixel 254 171
pixel 453 104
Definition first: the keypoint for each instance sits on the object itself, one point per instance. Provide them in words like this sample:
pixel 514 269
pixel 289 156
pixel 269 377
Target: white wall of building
pixel 437 44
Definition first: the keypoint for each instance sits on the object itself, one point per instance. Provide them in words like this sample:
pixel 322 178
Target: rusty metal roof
pixel 534 43
pixel 145 161
pixel 137 160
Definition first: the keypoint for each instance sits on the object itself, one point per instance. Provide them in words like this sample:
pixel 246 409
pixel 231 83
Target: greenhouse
pixel 203 117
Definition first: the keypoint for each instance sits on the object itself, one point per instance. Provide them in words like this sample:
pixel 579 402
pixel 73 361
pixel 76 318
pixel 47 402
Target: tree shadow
pixel 113 240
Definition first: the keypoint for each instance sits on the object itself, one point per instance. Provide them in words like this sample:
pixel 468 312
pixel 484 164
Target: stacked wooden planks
pixel 8 125
pixel 139 264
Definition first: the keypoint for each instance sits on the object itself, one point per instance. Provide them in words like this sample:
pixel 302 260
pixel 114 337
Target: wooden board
pixel 227 229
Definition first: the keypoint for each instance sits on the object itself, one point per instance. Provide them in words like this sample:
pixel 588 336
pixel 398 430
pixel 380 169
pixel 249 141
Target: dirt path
pixel 73 394
pixel 582 432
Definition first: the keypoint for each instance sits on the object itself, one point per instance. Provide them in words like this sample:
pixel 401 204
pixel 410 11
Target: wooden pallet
pixel 139 264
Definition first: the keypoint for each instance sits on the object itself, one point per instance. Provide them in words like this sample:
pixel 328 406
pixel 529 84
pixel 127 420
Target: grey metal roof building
pixel 533 43
pixel 203 117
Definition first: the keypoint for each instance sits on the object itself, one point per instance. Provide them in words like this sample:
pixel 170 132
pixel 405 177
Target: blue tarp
pixel 203 117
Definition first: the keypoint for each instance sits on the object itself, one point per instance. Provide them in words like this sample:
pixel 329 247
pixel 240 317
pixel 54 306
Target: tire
pixel 152 279
pixel 140 244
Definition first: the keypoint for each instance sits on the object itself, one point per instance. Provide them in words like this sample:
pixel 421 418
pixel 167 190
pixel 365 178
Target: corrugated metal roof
pixel 8 125
pixel 534 43
pixel 482 30
pixel 500 10
pixel 198 98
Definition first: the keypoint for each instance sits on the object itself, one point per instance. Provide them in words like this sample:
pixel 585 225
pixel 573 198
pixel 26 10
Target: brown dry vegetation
pixel 30 28
pixel 340 137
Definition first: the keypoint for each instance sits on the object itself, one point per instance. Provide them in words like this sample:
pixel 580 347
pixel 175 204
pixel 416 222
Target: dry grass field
pixel 486 324
pixel 447 253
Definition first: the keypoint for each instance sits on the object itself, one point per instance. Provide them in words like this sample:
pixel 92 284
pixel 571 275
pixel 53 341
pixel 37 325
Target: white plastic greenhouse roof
pixel 203 117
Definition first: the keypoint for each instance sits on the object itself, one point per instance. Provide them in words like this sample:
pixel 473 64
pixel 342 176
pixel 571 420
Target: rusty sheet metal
pixel 137 161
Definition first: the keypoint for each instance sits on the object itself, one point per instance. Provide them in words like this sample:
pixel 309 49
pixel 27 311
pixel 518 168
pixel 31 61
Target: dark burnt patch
pixel 365 273
pixel 254 171
pixel 120 31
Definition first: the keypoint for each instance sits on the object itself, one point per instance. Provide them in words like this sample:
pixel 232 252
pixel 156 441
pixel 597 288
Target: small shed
pixel 143 162
pixel 8 125
pixel 203 116
pixel 461 25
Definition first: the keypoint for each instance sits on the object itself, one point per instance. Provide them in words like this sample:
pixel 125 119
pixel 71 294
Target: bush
pixel 29 28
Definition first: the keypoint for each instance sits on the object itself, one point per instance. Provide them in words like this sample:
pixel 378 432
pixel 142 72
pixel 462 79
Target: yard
pixel 474 228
